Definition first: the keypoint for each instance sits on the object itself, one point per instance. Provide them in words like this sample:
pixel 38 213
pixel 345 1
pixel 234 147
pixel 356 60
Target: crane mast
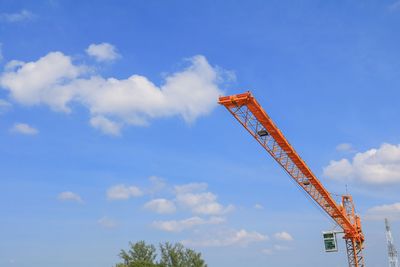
pixel 256 121
pixel 393 260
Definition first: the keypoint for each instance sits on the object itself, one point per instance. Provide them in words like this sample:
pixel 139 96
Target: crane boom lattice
pixel 256 121
pixel 393 260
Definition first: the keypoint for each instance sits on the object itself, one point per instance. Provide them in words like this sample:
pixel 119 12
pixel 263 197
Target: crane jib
pixel 256 121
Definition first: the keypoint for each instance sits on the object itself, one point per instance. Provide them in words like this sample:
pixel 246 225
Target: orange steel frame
pixel 252 116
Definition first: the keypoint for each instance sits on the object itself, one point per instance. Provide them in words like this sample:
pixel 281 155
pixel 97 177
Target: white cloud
pixel 178 226
pixel 107 222
pixel 194 197
pixel 339 169
pixel 123 192
pixel 23 128
pixel 54 80
pixel 105 125
pixel 390 211
pixel 23 15
pixel 283 236
pixel 345 147
pixel 42 82
pixel 161 205
pixel 102 52
pixel 235 238
pixel 69 196
pixel 375 166
pixel 258 206
pixel 13 65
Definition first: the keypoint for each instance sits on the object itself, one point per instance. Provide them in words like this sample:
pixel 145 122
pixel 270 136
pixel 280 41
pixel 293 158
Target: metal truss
pixel 354 253
pixel 256 121
pixel 253 126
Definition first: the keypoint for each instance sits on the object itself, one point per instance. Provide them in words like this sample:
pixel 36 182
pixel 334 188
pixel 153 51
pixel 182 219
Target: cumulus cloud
pixel 375 166
pixel 107 222
pixel 180 225
pixel 105 125
pixel 102 52
pixel 390 211
pixel 23 128
pixel 13 64
pixel 20 16
pixel 123 192
pixel 283 236
pixel 233 238
pixel 56 81
pixel 45 81
pixel 194 197
pixel 161 205
pixel 69 196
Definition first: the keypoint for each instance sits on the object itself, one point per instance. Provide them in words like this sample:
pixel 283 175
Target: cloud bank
pixel 56 81
pixel 375 166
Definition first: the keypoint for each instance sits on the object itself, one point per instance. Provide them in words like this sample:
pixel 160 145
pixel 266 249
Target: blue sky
pixel 110 131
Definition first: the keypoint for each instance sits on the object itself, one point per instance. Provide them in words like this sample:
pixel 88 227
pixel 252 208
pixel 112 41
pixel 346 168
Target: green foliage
pixel 139 255
pixel 177 256
pixel 142 255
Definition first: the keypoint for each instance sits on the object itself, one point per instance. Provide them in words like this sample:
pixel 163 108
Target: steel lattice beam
pixel 255 120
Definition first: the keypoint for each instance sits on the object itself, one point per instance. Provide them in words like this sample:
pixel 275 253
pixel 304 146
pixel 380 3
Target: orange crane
pixel 245 108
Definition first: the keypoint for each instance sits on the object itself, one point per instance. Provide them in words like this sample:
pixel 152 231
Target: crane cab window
pixel 330 242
